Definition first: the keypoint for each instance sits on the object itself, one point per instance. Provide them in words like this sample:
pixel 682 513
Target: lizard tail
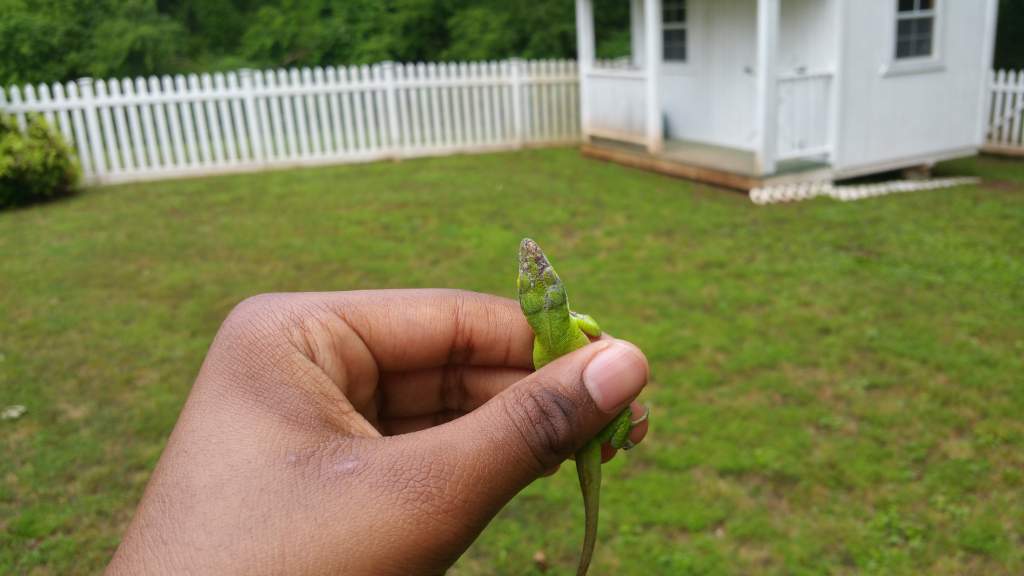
pixel 588 468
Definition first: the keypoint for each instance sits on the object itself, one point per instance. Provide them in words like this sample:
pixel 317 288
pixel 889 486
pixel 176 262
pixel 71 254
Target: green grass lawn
pixel 837 387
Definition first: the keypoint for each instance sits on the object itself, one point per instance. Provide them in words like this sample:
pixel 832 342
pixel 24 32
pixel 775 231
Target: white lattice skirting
pixel 808 190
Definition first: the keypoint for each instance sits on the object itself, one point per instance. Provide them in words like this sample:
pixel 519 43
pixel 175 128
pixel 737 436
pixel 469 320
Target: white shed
pixel 747 92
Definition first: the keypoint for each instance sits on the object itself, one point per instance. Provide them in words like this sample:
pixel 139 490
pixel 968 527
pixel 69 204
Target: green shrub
pixel 35 165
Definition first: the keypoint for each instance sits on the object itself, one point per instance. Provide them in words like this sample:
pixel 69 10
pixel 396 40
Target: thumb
pixel 536 423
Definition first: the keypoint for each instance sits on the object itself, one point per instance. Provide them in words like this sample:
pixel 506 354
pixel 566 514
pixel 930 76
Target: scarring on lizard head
pixel 558 331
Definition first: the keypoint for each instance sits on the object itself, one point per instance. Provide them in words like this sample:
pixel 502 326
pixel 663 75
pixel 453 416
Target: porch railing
pixel 617 106
pixel 804 115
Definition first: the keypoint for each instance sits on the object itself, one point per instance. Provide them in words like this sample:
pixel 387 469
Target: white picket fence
pixel 163 127
pixel 1006 112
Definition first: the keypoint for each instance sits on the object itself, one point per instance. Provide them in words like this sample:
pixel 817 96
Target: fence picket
pixel 287 116
pixel 299 104
pixel 459 104
pixel 198 119
pixel 1009 79
pixel 322 139
pixel 336 143
pixel 82 141
pixel 1013 102
pixel 441 113
pixel 547 91
pixel 44 99
pixel 486 96
pixel 412 93
pixel 107 128
pixel 259 126
pixel 504 99
pixel 138 150
pixel 63 116
pixel 160 114
pixel 184 110
pixel 212 141
pixel 19 117
pixel 359 107
pixel 274 142
pixel 369 109
pixel 1017 112
pixel 997 106
pixel 474 124
pixel 566 91
pixel 121 126
pixel 309 114
pixel 434 106
pixel 30 96
pixel 383 125
pixel 148 127
pixel 346 98
pixel 174 123
pixel 234 123
pixel 92 125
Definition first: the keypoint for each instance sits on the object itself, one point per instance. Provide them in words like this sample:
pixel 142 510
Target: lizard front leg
pixel 586 324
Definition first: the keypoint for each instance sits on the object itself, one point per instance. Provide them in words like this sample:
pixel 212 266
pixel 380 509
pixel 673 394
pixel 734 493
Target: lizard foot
pixel 638 421
pixel 628 444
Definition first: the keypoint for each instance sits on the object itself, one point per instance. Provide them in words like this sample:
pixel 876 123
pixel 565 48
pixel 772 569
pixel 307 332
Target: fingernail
pixel 615 376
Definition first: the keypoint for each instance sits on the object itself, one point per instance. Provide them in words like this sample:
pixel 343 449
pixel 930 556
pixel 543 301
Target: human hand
pixel 365 433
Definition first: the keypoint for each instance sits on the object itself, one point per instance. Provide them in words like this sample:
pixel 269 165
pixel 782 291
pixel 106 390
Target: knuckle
pixel 254 308
pixel 254 317
pixel 546 420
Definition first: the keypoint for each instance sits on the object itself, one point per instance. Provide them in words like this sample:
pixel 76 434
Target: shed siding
pixel 887 118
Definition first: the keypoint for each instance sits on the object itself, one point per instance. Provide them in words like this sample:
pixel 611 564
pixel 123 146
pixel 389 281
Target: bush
pixel 35 165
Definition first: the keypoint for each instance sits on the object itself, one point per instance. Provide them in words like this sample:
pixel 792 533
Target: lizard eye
pixel 555 295
pixel 531 303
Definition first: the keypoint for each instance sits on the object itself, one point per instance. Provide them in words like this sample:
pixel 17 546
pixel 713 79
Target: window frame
pixel 673 26
pixel 933 62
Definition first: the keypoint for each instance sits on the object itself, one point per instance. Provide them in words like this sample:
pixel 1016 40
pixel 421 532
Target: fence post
pixel 517 100
pixel 252 124
pixel 394 138
pixel 92 125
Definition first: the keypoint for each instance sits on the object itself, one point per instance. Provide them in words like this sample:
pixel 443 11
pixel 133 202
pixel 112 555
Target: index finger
pixel 418 329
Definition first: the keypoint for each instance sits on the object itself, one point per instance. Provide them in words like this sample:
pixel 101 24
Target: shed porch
pixel 739 93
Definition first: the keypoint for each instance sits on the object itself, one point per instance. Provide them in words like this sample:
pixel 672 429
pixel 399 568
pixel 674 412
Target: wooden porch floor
pixel 719 165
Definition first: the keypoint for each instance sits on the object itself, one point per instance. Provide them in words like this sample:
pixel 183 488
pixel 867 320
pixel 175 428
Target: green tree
pixel 1010 35
pixel 48 40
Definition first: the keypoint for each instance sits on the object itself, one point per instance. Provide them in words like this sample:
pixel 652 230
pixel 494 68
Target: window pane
pixel 924 26
pixel 923 46
pixel 903 49
pixel 906 5
pixel 673 12
pixel 925 4
pixel 674 45
pixel 914 37
pixel 904 29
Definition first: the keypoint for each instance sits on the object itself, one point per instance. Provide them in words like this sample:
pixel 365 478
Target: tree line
pixel 48 40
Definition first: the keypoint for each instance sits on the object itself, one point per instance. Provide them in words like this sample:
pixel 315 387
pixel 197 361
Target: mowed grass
pixel 837 388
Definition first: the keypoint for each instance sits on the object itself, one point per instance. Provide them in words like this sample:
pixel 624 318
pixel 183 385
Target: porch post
pixel 636 32
pixel 652 63
pixel 585 59
pixel 767 84
pixel 988 49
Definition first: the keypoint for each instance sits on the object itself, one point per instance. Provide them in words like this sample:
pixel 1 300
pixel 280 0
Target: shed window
pixel 915 29
pixel 673 22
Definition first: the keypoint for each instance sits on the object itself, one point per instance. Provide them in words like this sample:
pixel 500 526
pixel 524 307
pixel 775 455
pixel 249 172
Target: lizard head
pixel 538 284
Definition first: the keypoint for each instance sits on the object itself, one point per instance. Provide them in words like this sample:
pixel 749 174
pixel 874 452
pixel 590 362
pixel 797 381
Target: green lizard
pixel 557 331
